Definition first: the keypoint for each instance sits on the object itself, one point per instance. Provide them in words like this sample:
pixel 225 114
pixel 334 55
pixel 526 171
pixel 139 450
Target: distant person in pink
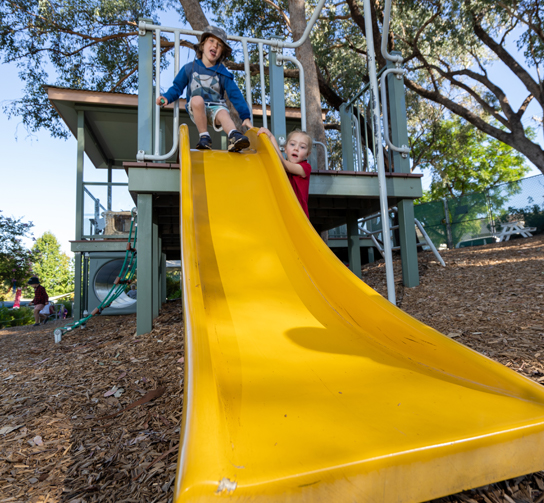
pixel 297 149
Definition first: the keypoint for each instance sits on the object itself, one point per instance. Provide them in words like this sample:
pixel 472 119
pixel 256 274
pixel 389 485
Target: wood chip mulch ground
pixel 96 418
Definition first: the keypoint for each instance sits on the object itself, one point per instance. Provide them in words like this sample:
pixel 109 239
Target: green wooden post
pixel 145 91
pixel 399 138
pixel 277 97
pixel 78 307
pixel 354 247
pixel 163 278
pixel 144 247
pixel 156 264
pixel 347 139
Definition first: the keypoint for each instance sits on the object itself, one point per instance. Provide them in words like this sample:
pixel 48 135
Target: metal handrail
pixel 144 26
pixel 282 57
pixel 385 34
pixel 404 150
pixel 326 153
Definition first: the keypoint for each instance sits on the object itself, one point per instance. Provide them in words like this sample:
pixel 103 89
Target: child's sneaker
pixel 237 141
pixel 204 143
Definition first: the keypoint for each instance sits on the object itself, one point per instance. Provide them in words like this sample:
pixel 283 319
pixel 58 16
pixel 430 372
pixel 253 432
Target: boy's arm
pixel 177 88
pixel 291 167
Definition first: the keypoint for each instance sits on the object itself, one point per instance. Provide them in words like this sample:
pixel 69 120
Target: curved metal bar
pixel 141 156
pixel 143 26
pixel 404 150
pixel 385 34
pixel 326 154
pixel 282 57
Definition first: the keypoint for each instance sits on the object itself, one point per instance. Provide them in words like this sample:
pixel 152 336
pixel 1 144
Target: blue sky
pixel 38 179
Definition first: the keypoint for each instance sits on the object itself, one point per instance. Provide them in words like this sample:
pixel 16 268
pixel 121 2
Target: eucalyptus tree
pixel 448 46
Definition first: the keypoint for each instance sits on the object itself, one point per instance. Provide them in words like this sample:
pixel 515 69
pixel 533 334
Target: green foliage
pixel 52 266
pixel 16 317
pixel 532 216
pixel 15 259
pixel 173 285
pixel 91 44
pixel 464 160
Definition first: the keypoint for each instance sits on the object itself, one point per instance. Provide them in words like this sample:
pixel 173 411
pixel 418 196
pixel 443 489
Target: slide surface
pixel 304 384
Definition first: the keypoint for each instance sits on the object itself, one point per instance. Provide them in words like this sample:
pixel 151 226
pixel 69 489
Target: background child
pixel 297 149
pixel 40 298
pixel 207 80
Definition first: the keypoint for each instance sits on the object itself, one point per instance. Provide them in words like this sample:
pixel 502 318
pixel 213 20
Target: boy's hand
pixel 247 123
pixel 161 101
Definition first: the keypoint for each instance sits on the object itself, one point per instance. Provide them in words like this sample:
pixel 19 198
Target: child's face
pixel 212 50
pixel 297 148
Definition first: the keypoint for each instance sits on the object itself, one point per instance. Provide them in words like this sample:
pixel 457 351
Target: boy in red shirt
pixel 297 149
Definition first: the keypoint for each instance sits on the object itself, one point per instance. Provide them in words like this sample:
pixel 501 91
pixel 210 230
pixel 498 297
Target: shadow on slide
pixel 304 384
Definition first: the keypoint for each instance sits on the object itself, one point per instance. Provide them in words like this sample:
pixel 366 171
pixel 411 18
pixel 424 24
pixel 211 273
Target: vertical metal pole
pixel 145 92
pixel 79 175
pixel 447 221
pixel 379 151
pixel 144 246
pixel 156 125
pixel 354 244
pixel 263 85
pixel 249 98
pixel 347 138
pixel 358 129
pixel 79 213
pixel 110 179
pixel 277 96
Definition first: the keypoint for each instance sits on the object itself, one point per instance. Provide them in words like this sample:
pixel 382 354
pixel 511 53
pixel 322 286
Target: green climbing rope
pixel 125 277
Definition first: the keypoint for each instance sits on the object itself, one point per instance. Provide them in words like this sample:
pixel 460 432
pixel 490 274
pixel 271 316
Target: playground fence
pixel 477 218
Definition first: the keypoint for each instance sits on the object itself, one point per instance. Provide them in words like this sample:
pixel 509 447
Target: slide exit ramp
pixel 302 383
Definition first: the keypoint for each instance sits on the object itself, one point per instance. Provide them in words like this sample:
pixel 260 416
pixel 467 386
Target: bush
pixel 533 216
pixel 16 317
pixel 173 290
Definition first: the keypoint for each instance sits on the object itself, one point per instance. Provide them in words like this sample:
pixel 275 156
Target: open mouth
pixel 213 53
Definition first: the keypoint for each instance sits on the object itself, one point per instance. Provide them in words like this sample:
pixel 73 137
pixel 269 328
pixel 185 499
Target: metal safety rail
pixel 372 234
pixel 275 45
pixel 125 277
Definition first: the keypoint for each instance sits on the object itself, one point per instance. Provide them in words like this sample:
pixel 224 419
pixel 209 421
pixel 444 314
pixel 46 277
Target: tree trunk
pixel 305 54
pixel 194 14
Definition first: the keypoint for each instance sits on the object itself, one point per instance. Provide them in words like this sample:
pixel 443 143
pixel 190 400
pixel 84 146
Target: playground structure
pixel 302 383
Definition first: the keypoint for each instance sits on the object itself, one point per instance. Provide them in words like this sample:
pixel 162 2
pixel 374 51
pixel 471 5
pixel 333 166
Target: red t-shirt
pixel 301 186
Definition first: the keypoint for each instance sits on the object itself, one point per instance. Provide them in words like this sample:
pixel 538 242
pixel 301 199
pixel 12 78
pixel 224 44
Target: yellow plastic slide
pixel 304 384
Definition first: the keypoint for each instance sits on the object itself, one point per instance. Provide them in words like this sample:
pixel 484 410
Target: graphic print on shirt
pixel 207 86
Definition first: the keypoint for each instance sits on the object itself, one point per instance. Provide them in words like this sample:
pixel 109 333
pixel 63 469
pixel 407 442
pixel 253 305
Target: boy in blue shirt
pixel 206 80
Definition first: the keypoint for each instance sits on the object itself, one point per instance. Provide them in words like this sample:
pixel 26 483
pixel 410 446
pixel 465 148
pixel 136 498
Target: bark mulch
pixel 70 440
pixel 96 418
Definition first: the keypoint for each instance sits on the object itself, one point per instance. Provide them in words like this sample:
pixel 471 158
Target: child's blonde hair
pixel 299 131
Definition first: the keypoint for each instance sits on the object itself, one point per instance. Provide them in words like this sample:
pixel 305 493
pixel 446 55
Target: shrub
pixel 16 317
